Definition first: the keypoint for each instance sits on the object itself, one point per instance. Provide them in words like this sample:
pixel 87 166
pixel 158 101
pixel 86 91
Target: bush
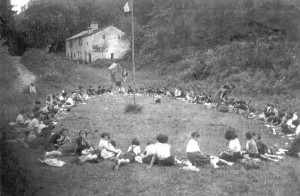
pixel 133 108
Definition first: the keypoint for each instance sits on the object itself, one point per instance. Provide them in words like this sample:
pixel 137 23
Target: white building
pixel 109 39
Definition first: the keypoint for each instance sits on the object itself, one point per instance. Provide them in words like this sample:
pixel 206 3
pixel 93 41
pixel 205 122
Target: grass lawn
pixel 178 120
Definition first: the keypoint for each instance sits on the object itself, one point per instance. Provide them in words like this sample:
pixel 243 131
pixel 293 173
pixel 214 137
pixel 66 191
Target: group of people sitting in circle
pixel 38 126
pixel 159 152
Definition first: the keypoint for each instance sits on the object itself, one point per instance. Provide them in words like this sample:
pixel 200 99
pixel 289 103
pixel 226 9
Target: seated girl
pixel 263 149
pixel 20 120
pixel 197 158
pixel 251 149
pixel 129 156
pixel 233 154
pixel 107 148
pixel 294 149
pixel 59 144
pixel 149 152
pixel 81 142
pixel 163 152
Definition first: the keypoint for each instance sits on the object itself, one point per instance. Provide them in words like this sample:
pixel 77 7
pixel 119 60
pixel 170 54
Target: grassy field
pixel 177 119
pixel 173 117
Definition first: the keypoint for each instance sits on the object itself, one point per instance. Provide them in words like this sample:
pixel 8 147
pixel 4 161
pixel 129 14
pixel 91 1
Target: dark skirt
pixel 198 159
pixel 231 157
pixel 167 162
pixel 148 159
pixel 128 155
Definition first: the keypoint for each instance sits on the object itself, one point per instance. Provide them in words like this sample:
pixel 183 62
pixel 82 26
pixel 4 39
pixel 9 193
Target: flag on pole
pixel 128 6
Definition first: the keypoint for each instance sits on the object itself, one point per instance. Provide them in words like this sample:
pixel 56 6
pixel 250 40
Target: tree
pixel 102 48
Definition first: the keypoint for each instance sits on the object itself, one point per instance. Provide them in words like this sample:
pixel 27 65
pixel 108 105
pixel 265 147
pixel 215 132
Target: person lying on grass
pixel 163 152
pixel 197 158
pixel 233 153
pixel 130 155
pixel 252 151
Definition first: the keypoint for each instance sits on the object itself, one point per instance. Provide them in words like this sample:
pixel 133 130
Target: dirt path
pixel 25 77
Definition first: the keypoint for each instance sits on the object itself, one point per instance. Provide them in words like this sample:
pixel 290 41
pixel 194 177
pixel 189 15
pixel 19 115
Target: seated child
pixel 58 139
pixel 108 148
pixel 91 91
pixel 149 152
pixel 251 148
pixel 163 152
pixel 81 142
pixel 196 157
pixel 59 143
pixel 233 154
pixel 129 156
pixel 294 149
pixel 263 149
pixel 20 121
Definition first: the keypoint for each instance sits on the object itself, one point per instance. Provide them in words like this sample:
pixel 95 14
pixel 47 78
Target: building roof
pixel 86 33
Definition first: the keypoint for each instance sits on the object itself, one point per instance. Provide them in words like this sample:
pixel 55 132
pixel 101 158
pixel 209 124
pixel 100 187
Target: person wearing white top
pixel 107 149
pixel 129 156
pixel 163 152
pixel 233 154
pixel 149 152
pixel 197 158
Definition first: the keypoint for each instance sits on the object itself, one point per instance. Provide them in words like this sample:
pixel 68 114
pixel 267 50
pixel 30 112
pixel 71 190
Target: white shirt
pixel 136 149
pixel 192 146
pixel 107 154
pixel 103 143
pixel 235 145
pixel 20 119
pixel 162 150
pixel 34 123
pixel 297 132
pixel 150 150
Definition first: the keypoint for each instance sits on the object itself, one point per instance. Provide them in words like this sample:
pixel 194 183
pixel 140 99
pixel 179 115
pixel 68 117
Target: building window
pixel 74 55
pixel 87 43
pixel 68 55
pixel 80 41
pixel 103 36
pixel 70 44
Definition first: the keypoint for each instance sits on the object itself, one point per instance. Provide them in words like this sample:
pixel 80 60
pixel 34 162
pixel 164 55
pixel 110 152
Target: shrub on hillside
pixel 7 73
pixel 49 66
pixel 133 108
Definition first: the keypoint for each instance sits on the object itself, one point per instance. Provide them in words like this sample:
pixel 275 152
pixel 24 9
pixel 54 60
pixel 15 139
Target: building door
pixel 111 56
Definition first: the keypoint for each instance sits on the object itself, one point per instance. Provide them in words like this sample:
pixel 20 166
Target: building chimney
pixel 94 26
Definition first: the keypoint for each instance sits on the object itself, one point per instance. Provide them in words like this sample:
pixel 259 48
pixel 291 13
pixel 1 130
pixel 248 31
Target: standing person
pixel 124 76
pixel 113 77
pixel 220 95
pixel 32 89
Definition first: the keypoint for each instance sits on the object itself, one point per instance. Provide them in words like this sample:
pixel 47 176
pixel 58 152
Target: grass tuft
pixel 133 108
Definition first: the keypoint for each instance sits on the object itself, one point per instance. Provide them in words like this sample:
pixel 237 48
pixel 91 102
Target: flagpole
pixel 133 63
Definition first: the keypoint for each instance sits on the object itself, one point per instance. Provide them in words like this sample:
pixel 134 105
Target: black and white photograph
pixel 150 97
